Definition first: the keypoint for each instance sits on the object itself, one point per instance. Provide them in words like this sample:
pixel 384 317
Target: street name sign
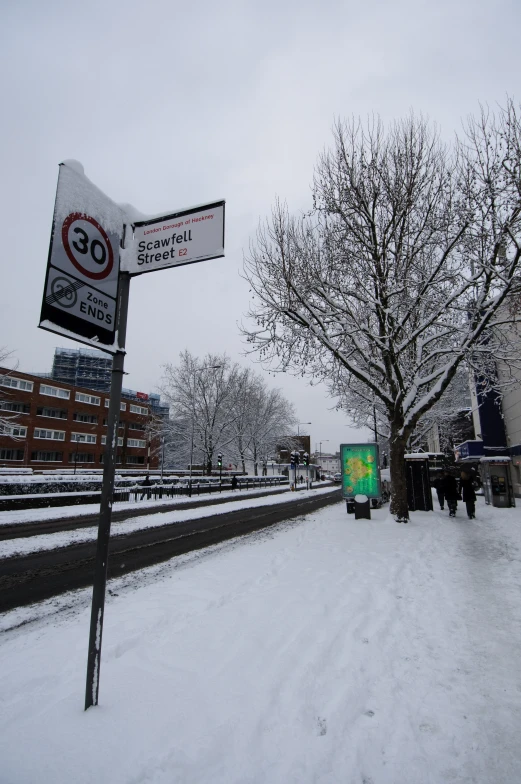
pixel 185 237
pixel 81 284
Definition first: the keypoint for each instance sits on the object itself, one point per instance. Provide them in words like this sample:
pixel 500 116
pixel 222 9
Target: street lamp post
pixel 302 423
pixel 325 441
pixel 196 370
pixel 162 457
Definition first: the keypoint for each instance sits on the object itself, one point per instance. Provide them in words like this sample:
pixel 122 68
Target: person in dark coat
pixel 451 493
pixel 468 493
pixel 147 483
pixel 234 483
pixel 438 486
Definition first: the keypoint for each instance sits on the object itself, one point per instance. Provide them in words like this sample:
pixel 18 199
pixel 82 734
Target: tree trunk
pixel 399 506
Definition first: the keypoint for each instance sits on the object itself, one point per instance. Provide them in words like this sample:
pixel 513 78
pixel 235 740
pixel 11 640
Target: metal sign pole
pixel 107 494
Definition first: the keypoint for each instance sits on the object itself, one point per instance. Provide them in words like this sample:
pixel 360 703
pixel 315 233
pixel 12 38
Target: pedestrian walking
pixel 147 483
pixel 468 494
pixel 440 492
pixel 234 483
pixel 451 493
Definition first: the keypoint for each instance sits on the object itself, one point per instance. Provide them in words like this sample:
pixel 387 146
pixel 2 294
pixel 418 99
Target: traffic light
pixel 297 458
pixel 292 459
pixel 219 460
pixel 305 459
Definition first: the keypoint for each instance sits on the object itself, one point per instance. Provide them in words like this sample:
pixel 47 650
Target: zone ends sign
pixel 184 237
pixel 81 284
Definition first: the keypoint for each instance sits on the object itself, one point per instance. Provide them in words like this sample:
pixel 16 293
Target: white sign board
pixel 184 237
pixel 81 286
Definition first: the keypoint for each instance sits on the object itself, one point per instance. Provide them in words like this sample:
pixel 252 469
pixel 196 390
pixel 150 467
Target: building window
pixel 138 410
pixel 45 389
pixel 11 454
pixel 87 438
pixel 136 426
pixel 104 440
pixel 136 460
pixel 122 406
pixel 52 413
pixel 92 400
pixel 16 383
pixel 18 408
pixel 52 435
pixel 81 457
pixel 118 459
pixel 47 457
pixel 91 419
pixel 137 442
pixel 14 431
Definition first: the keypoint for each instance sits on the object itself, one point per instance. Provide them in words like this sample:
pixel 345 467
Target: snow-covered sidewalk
pixel 326 650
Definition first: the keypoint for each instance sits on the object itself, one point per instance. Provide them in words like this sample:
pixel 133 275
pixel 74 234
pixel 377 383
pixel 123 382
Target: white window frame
pixel 83 438
pixel 122 406
pixel 56 435
pixel 14 431
pixel 91 400
pixel 104 440
pixel 137 443
pixel 58 392
pixel 49 416
pixel 134 409
pixel 16 383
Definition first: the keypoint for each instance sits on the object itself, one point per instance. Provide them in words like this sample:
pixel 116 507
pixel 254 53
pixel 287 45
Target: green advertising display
pixel 359 465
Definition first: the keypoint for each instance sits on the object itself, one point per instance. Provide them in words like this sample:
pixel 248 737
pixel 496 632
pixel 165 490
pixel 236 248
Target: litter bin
pixel 362 507
pixel 497 481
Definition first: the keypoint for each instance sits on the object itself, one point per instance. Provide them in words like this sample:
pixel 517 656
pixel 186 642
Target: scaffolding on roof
pixel 82 367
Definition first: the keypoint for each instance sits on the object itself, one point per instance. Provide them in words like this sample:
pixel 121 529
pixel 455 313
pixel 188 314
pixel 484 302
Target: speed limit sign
pixel 81 285
pixel 87 246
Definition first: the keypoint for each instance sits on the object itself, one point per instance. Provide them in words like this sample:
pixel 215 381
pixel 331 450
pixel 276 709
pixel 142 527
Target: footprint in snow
pixel 322 726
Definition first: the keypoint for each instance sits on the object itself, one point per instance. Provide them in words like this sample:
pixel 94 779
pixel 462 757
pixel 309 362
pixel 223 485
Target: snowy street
pixel 323 650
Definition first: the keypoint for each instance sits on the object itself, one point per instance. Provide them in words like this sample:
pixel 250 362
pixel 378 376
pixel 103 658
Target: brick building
pixel 57 425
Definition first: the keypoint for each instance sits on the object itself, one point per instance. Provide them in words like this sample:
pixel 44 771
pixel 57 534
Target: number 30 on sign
pixel 87 246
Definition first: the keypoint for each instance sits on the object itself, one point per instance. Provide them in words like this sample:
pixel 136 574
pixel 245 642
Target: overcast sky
pixel 169 104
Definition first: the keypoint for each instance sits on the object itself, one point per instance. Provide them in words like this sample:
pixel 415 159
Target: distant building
pixel 82 367
pixel 289 444
pixel 85 367
pixel 53 424
pixel 330 464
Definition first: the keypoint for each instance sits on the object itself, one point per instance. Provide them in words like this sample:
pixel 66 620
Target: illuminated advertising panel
pixel 359 464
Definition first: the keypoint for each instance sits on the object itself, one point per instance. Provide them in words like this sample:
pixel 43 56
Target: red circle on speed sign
pixel 89 247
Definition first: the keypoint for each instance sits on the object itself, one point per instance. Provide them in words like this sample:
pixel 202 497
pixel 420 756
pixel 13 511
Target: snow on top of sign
pixel 132 214
pixel 494 460
pixel 74 164
pixel 76 193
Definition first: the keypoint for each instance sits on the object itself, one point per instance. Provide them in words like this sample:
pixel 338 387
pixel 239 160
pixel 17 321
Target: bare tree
pixel 200 394
pixel 224 408
pixel 398 273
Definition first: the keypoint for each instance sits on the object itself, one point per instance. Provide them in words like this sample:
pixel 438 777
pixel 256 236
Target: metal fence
pixel 158 492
